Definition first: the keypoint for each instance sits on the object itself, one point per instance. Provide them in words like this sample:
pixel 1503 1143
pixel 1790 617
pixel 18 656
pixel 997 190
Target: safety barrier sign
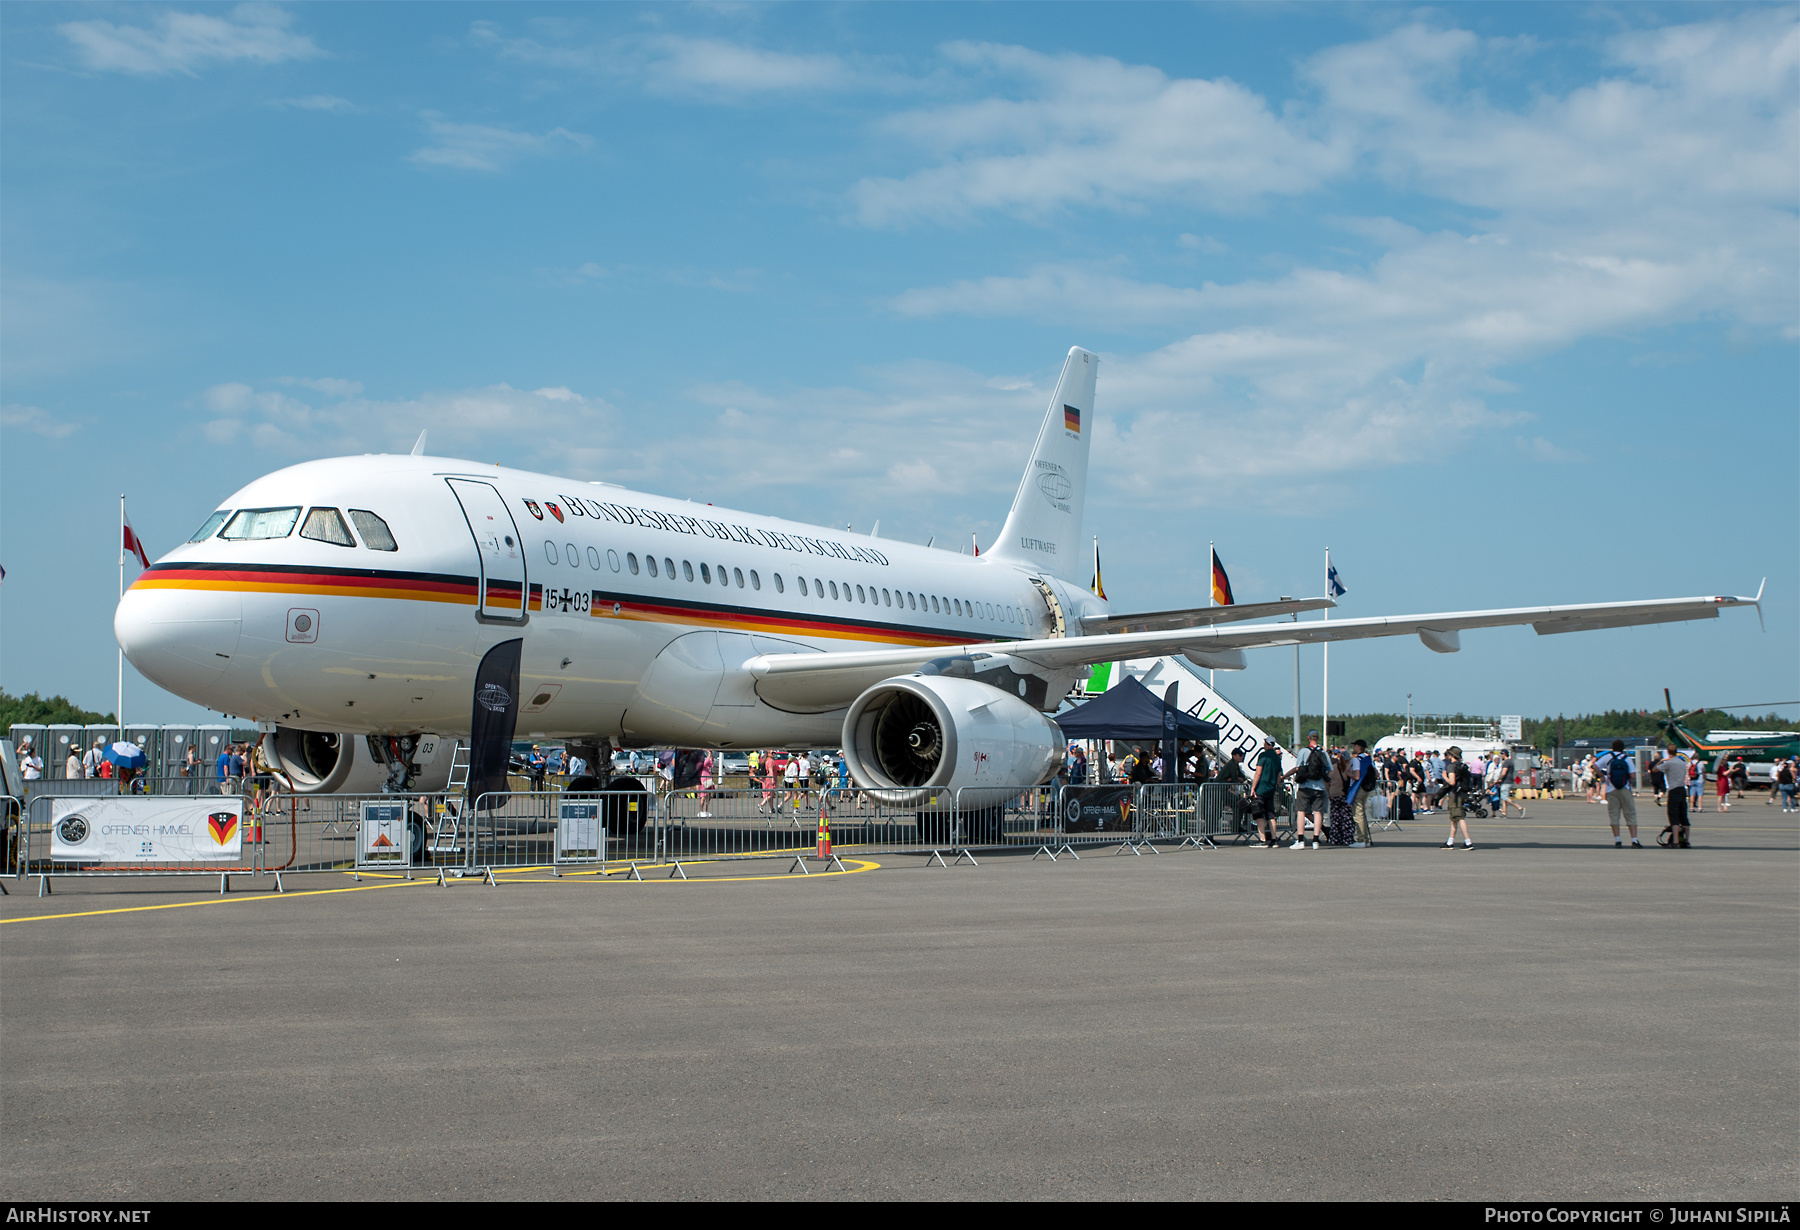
pixel 146 830
pixel 381 835
pixel 580 838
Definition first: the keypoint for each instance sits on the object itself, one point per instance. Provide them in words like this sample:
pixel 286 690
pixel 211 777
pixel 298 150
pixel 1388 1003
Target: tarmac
pixel 1543 1017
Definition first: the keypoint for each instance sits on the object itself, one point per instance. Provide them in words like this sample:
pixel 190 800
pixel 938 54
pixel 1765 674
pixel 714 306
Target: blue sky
pixel 1497 302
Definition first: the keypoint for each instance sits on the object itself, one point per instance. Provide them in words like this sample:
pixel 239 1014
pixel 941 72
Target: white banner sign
pixel 578 831
pixel 382 833
pixel 146 830
pixel 1512 727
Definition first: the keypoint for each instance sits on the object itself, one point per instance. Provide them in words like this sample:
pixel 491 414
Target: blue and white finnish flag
pixel 1333 584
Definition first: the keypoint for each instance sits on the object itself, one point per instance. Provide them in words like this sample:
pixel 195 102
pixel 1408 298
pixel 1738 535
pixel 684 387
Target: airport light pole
pixel 1325 673
pixel 1295 745
pixel 119 710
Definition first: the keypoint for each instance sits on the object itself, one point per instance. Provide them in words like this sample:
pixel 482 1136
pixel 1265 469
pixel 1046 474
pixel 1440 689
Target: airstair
pixel 447 839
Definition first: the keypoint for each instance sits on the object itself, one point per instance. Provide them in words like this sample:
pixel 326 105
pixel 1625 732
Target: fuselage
pixel 378 583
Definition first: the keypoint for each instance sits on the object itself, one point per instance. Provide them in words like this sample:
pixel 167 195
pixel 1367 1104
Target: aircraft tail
pixel 1044 527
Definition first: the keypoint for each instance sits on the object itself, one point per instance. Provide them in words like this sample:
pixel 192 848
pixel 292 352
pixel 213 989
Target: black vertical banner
pixel 1171 739
pixel 492 720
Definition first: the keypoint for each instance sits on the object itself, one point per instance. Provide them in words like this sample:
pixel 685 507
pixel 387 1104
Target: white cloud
pixel 1090 131
pixel 1539 449
pixel 1059 293
pixel 490 147
pixel 546 426
pixel 317 102
pixel 920 427
pixel 49 326
pixel 675 64
pixel 1661 195
pixel 325 384
pixel 716 66
pixel 1202 243
pixel 37 420
pixel 184 42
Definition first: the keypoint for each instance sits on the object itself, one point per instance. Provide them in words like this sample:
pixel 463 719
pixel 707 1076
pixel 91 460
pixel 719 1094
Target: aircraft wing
pixel 820 682
pixel 1162 621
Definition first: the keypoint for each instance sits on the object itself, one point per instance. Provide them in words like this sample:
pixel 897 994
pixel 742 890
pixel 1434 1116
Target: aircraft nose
pixel 179 639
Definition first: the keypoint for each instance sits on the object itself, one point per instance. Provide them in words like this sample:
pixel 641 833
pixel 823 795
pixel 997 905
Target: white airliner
pixel 358 595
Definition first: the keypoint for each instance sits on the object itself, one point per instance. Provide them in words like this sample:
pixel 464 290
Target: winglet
pixel 418 448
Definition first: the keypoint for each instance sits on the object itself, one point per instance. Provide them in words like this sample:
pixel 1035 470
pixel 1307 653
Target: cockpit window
pixel 212 526
pixel 327 525
pixel 261 523
pixel 374 530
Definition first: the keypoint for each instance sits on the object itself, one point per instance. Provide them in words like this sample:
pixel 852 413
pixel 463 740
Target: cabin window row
pixel 725 575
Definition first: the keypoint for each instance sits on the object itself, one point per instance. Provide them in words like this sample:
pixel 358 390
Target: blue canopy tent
pixel 1129 710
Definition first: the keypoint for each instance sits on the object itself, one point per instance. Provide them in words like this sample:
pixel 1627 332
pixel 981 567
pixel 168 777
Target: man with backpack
pixel 1456 779
pixel 1363 785
pixel 1618 776
pixel 1310 773
pixel 1264 785
pixel 1675 771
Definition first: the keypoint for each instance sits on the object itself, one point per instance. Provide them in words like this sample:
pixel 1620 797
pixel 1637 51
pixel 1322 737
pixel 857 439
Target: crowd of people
pixel 1335 793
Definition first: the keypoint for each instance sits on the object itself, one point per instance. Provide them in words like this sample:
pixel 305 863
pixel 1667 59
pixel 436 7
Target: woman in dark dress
pixel 1337 790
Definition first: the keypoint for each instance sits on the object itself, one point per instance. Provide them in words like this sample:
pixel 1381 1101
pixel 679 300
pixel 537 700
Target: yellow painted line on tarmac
pixel 622 875
pixel 182 905
pixel 854 866
pixel 1594 827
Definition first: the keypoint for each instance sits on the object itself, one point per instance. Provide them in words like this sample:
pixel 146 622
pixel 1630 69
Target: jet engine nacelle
pixel 331 762
pixel 920 738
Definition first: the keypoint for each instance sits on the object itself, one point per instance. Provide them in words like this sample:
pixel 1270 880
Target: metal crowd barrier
pixel 11 837
pixel 95 835
pixel 394 834
pixel 556 829
pixel 155 786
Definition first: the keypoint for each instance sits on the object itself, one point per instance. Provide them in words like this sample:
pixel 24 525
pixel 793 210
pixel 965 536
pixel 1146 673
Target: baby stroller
pixel 1475 800
pixel 1473 796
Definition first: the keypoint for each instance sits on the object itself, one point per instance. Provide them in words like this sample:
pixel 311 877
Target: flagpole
pixel 1325 682
pixel 1212 556
pixel 119 711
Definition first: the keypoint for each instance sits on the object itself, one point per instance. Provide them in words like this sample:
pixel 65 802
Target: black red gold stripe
pixel 503 595
pixel 299 579
pixel 604 605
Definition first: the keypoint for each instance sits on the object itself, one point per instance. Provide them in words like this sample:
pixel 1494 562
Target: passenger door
pixel 498 547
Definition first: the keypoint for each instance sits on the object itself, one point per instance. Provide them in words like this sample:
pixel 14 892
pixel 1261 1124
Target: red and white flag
pixel 132 542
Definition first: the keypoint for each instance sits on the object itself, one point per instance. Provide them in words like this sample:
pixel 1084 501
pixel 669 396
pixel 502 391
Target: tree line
pixel 32 709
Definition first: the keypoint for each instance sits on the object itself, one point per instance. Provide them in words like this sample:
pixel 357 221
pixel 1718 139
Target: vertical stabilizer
pixel 1044 527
